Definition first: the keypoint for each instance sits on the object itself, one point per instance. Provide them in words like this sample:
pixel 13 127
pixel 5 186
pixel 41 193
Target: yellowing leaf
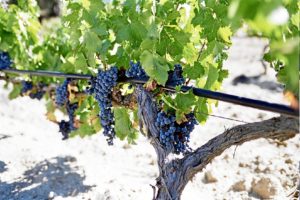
pixel 225 33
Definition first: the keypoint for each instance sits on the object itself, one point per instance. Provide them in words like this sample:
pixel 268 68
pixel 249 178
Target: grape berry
pixel 175 136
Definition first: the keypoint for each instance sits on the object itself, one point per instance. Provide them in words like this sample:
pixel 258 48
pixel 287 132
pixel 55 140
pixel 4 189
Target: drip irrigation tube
pixel 253 103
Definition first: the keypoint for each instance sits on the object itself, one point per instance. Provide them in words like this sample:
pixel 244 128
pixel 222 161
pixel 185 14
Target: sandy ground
pixel 36 164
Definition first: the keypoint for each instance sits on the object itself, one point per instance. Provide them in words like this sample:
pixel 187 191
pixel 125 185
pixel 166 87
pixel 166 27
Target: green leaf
pixel 201 111
pixel 15 92
pixel 155 66
pixel 83 131
pixel 91 41
pixel 123 125
pixel 212 77
pixel 123 33
pixel 190 53
pixel 195 71
pixel 153 32
pixel 185 101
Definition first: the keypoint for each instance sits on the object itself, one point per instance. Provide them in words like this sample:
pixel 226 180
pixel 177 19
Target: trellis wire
pixel 222 117
pixel 253 103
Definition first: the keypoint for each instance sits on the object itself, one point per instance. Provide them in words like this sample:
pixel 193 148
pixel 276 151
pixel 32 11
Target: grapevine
pixel 173 50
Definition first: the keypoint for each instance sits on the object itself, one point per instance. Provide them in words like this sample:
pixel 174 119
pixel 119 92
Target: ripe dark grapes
pixel 175 76
pixel 26 86
pixel 62 93
pixel 71 108
pixel 135 71
pixel 172 135
pixel 104 84
pixel 38 92
pixel 5 61
pixel 65 127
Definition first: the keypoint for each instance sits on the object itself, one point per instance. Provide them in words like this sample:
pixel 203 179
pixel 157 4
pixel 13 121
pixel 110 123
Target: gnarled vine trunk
pixel 175 173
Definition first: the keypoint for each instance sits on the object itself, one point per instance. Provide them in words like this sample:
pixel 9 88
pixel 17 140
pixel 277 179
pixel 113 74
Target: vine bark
pixel 174 174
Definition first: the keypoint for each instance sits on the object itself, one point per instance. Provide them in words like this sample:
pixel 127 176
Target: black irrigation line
pixel 253 103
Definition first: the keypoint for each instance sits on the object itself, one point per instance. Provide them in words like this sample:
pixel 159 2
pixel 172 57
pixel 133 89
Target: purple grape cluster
pixel 135 71
pixel 175 76
pixel 166 125
pixel 71 108
pixel 104 84
pixel 37 95
pixel 65 127
pixel 26 87
pixel 34 92
pixel 175 136
pixel 62 93
pixel 5 61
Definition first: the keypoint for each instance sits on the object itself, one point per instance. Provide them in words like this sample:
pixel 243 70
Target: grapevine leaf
pixel 91 41
pixel 201 110
pixel 185 101
pixel 190 53
pixel 83 130
pixel 225 33
pixel 155 66
pixel 195 71
pixel 15 92
pixel 212 77
pixel 123 125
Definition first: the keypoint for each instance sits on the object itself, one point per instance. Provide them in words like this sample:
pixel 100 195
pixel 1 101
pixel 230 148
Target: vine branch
pixel 175 173
pixel 281 128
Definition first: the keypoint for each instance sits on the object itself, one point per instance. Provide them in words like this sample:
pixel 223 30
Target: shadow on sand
pixel 55 176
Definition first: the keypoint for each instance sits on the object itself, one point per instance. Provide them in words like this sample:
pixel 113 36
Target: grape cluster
pixel 166 125
pixel 65 127
pixel 37 95
pixel 71 108
pixel 26 86
pixel 104 84
pixel 175 76
pixel 175 136
pixel 34 92
pixel 5 61
pixel 135 71
pixel 62 93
